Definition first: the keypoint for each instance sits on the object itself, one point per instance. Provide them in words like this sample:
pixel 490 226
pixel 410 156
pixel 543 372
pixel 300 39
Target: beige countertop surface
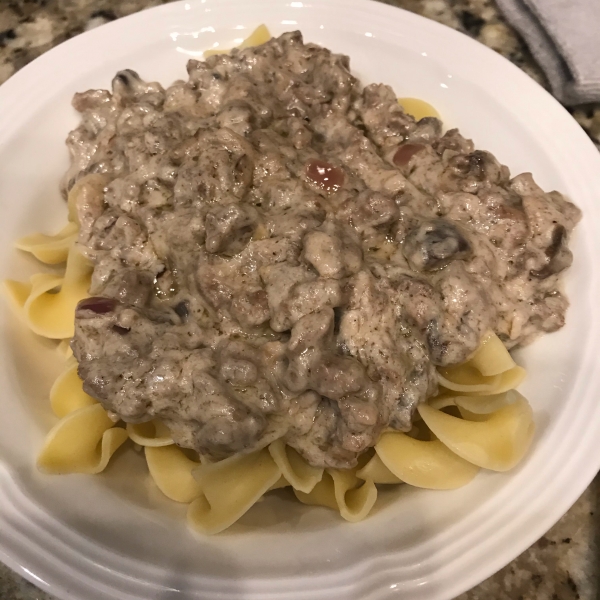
pixel 562 565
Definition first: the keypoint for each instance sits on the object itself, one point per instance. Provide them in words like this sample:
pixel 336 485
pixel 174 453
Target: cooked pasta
pixel 230 488
pixel 49 312
pixel 151 434
pixel 259 36
pixel 489 371
pixel 293 468
pixel 342 491
pixel 50 249
pixel 427 464
pixel 67 395
pixel 495 441
pixel 172 472
pixel 81 442
pixel 491 426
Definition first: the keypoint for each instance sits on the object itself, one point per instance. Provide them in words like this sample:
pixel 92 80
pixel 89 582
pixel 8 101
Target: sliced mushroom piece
pixel 559 256
pixel 127 83
pixel 433 244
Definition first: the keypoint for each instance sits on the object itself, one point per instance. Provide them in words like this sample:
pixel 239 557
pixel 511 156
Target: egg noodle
pixel 477 421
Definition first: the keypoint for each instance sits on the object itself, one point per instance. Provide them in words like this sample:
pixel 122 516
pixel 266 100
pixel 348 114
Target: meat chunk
pixel 294 292
pixel 368 211
pixel 229 228
pixel 369 330
pixel 251 308
pixel 332 256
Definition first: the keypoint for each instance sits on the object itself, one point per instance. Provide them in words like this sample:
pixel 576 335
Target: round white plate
pixel 113 536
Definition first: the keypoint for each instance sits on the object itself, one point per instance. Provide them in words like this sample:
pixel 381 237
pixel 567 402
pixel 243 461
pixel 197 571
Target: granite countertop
pixel 562 565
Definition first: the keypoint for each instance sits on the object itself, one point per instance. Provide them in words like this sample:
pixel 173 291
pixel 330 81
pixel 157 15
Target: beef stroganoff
pixel 279 277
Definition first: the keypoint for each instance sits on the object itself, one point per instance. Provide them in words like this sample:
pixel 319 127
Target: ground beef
pixel 280 252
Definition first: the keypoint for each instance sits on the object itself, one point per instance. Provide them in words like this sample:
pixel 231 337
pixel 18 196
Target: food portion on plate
pixel 279 277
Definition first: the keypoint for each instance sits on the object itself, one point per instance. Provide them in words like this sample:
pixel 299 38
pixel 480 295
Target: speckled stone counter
pixel 562 565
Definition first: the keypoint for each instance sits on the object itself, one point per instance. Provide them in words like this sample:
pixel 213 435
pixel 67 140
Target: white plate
pixel 113 536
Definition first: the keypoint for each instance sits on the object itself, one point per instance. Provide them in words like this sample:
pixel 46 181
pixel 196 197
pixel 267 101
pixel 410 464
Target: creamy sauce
pixel 281 253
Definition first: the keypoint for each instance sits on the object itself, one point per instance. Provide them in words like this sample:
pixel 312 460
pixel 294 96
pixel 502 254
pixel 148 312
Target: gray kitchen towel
pixel 564 37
